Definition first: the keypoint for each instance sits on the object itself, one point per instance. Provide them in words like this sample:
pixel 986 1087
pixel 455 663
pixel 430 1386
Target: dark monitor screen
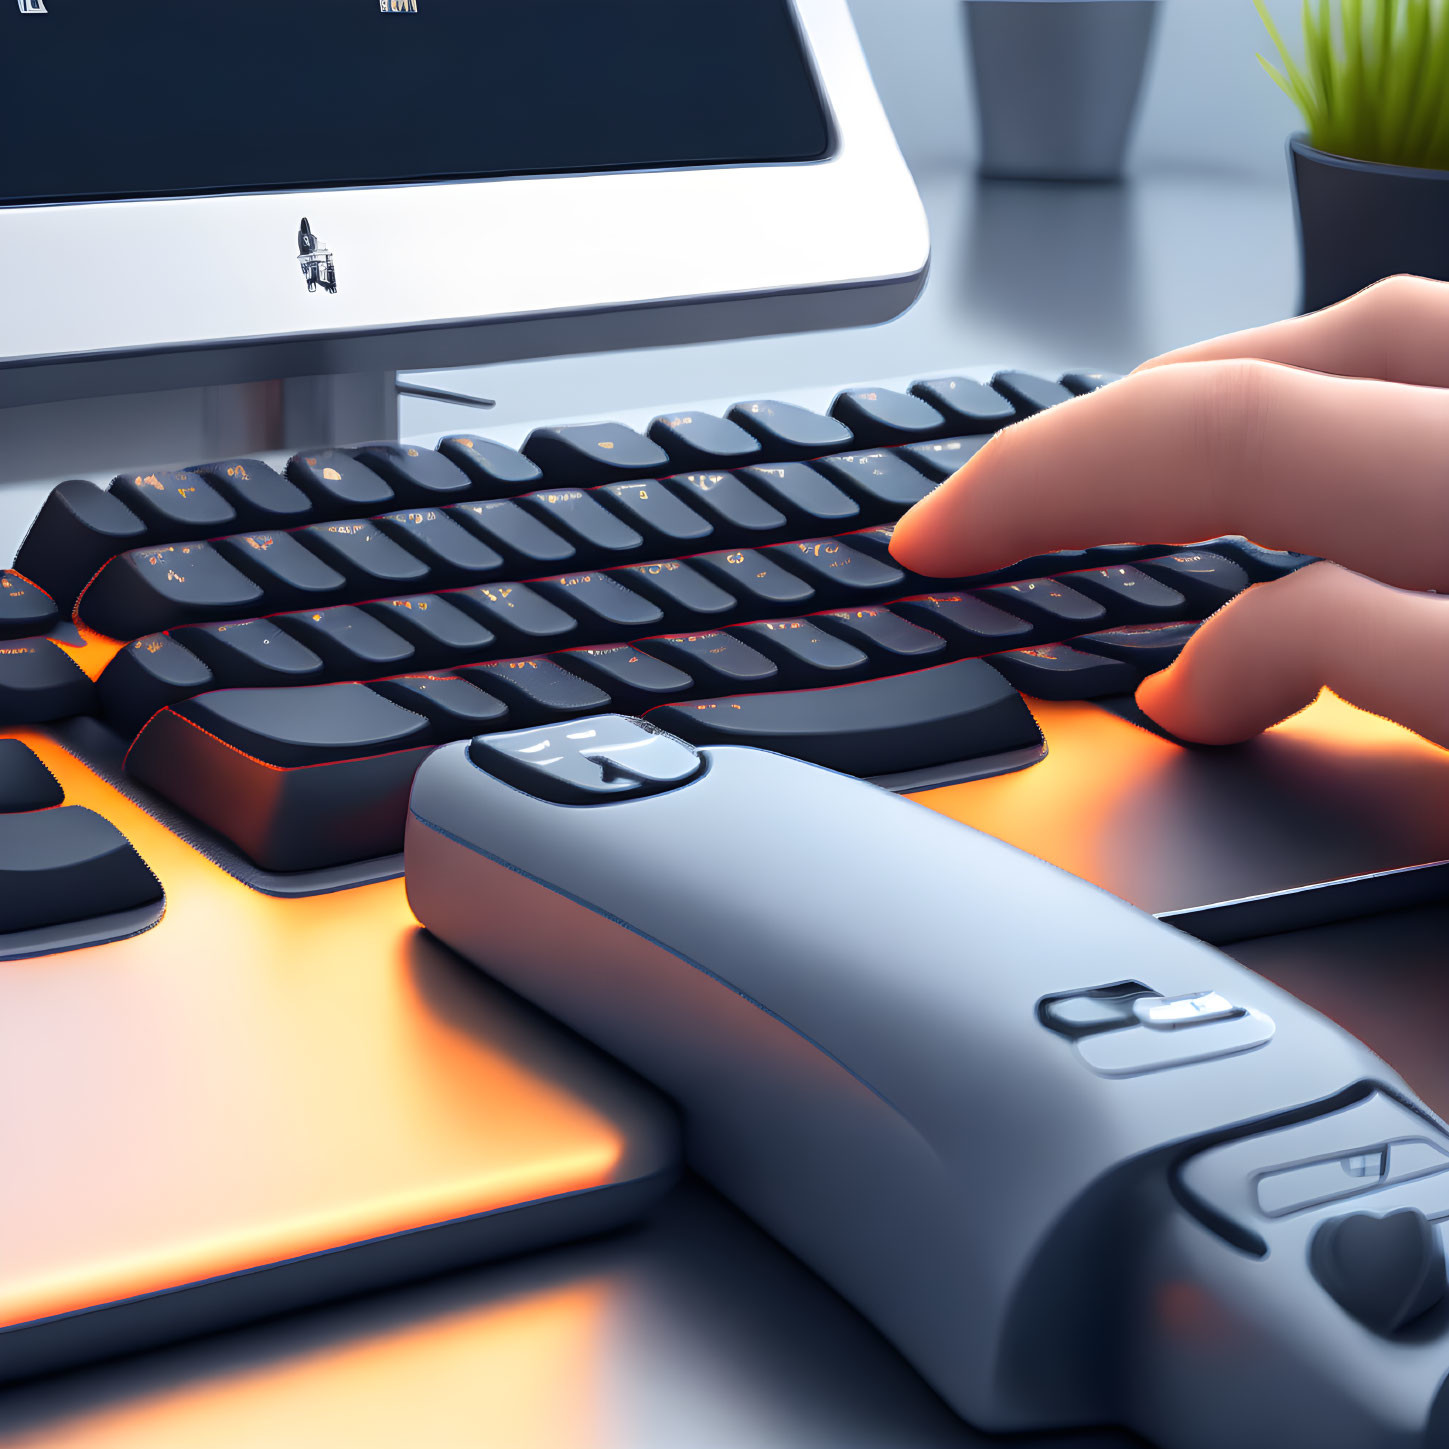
pixel 103 99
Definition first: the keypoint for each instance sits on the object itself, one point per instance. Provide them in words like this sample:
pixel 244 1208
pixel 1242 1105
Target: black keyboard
pixel 297 640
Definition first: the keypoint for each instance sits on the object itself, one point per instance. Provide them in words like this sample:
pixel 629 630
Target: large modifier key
pixel 937 716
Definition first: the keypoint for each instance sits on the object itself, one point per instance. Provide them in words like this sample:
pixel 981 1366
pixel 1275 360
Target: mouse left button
pixel 588 761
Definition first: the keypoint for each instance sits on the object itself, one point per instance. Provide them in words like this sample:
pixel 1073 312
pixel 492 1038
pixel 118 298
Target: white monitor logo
pixel 33 7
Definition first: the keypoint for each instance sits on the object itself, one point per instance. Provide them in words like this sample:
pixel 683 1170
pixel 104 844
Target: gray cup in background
pixel 1057 84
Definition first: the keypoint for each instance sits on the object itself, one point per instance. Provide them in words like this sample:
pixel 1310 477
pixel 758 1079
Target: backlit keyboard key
pixel 1054 609
pixel 351 643
pixel 452 553
pixel 25 783
pixel 755 579
pixel 787 432
pixel 940 460
pixel 539 689
pixel 288 573
pixel 595 453
pixel 601 603
pixel 884 634
pixel 881 417
pixel 369 559
pixel 24 609
pixel 1079 384
pixel 416 475
pixel 39 682
pixel 967 406
pixel 1030 393
pixel 496 471
pixel 634 679
pixel 806 497
pixel 837 569
pixel 968 624
pixel 79 527
pixel 584 521
pixel 175 505
pixel 524 542
pixel 666 522
pixel 147 675
pixel 884 484
pixel 148 591
pixel 806 654
pixel 338 483
pixel 1129 594
pixel 515 612
pixel 701 440
pixel 439 631
pixel 734 510
pixel 255 652
pixel 1056 671
pixel 456 708
pixel 1147 647
pixel 260 495
pixel 1206 580
pixel 689 600
pixel 715 660
pixel 1261 565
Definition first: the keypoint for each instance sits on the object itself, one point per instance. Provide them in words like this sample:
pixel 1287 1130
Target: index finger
pixel 1347 468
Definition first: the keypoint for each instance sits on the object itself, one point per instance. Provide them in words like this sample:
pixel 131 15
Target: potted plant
pixel 1371 172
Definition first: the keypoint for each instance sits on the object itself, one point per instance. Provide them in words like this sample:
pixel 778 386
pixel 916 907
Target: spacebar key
pixel 936 716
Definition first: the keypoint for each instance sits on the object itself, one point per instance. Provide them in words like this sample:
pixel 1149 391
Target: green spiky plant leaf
pixel 1373 81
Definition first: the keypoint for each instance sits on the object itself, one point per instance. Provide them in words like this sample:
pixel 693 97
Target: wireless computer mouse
pixel 1079 1168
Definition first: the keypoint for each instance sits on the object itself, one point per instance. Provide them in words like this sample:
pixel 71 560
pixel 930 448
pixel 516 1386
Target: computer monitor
pixel 272 188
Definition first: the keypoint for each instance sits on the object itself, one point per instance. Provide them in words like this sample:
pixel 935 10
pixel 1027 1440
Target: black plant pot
pixel 1359 221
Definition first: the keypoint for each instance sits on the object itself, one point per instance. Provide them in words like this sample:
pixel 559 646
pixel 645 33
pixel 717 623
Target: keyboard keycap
pixel 1146 647
pixel 39 682
pixel 25 783
pixel 883 634
pixel 1206 580
pixel 536 690
pixel 1030 393
pixel 882 418
pixel 24 609
pixel 78 529
pixel 585 522
pixel 806 497
pixel 936 716
pixel 297 779
pixel 838 570
pixel 805 654
pixel 715 660
pixel 591 453
pixel 1079 384
pixel 787 432
pixel 416 475
pixel 1262 565
pixel 365 555
pixel 288 573
pixel 734 510
pixel 456 708
pixel 701 440
pixel 148 591
pixel 451 553
pixel 665 521
pixel 440 632
pixel 496 471
pixel 351 643
pixel 755 579
pixel 1055 671
pixel 518 615
pixel 260 496
pixel 884 484
pixel 338 484
pixel 62 866
pixel 1053 609
pixel 968 624
pixel 967 406
pixel 145 676
pixel 687 598
pixel 255 652
pixel 634 679
pixel 1129 595
pixel 601 604
pixel 175 505
pixel 524 542
pixel 940 460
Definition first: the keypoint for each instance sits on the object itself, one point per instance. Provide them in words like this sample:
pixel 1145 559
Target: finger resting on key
pixel 1345 468
pixel 1268 654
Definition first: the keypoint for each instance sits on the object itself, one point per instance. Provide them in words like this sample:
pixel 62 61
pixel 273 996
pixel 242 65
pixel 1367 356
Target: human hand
pixel 1326 434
